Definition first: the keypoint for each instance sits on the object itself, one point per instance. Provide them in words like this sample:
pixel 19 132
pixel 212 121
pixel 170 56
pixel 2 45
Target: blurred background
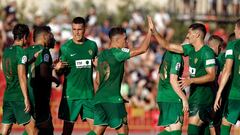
pixel 139 86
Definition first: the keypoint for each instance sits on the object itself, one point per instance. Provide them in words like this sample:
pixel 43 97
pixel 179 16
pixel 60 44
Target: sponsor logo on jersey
pixel 210 61
pixel 46 58
pixel 72 54
pixel 87 63
pixel 24 59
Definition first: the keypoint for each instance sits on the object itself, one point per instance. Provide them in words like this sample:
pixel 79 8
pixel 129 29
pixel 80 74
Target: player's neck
pixel 39 43
pixel 113 45
pixel 79 41
pixel 18 42
pixel 198 45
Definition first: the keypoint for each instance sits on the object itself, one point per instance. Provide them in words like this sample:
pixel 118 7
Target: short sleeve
pixel 95 50
pixel 187 49
pixel 209 58
pixel 121 54
pixel 46 56
pixel 62 56
pixel 229 50
pixel 176 64
pixel 21 57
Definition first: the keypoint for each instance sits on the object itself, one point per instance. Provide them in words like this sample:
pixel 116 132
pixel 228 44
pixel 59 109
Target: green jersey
pixel 233 53
pixel 111 70
pixel 171 64
pixel 198 62
pixel 78 79
pixel 41 86
pixel 12 57
pixel 220 61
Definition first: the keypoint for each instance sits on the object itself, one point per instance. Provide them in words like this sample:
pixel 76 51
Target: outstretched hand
pixel 150 24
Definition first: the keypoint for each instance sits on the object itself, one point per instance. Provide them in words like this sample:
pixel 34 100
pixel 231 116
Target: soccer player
pixel 216 43
pixel 109 105
pixel 231 68
pixel 16 105
pixel 40 78
pixel 78 88
pixel 202 75
pixel 171 99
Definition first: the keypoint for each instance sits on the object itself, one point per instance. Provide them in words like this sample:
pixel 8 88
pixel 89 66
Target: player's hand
pixel 27 105
pixel 60 65
pixel 150 24
pixel 37 53
pixel 95 61
pixel 217 102
pixel 185 105
pixel 184 82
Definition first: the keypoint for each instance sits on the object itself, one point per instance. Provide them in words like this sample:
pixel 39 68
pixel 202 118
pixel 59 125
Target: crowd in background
pixel 140 81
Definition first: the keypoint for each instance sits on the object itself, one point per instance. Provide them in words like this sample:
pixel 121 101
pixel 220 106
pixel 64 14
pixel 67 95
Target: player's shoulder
pixel 207 49
pixel 90 42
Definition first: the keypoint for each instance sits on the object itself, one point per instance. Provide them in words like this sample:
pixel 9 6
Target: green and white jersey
pixel 78 79
pixel 12 57
pixel 171 64
pixel 111 70
pixel 233 53
pixel 198 62
pixel 41 86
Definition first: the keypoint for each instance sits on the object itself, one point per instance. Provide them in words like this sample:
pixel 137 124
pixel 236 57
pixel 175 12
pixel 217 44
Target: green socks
pixel 176 132
pixel 193 129
pixel 225 130
pixel 25 132
pixel 165 132
pixel 91 133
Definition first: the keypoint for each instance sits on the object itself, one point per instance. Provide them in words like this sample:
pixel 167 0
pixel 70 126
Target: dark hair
pixel 238 22
pixel 200 27
pixel 39 30
pixel 219 39
pixel 231 37
pixel 79 20
pixel 20 30
pixel 116 31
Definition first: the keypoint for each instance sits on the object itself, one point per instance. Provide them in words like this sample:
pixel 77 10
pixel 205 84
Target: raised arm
pixel 145 44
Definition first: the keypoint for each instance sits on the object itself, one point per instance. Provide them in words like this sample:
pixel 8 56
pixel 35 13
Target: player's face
pixel 122 39
pixel 215 46
pixel 26 40
pixel 50 40
pixel 78 31
pixel 191 36
pixel 237 30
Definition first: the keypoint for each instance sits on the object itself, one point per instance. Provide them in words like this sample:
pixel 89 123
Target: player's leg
pixel 100 120
pixel 67 128
pixel 231 115
pixel 69 112
pixel 171 117
pixel 87 113
pixel 6 129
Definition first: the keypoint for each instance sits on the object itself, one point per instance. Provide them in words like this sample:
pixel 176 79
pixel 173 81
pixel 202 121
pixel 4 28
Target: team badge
pixel 24 59
pixel 46 58
pixel 195 60
pixel 90 52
